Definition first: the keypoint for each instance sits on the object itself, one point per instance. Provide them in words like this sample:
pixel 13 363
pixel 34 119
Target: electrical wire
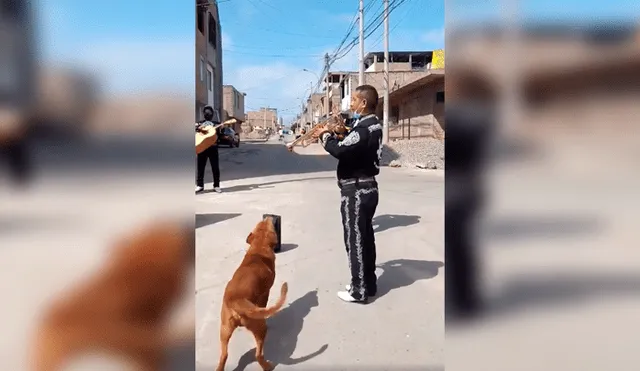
pixel 274 55
pixel 402 18
pixel 392 6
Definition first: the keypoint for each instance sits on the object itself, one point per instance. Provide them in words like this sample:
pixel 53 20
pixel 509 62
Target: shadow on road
pixel 182 358
pixel 549 226
pixel 14 224
pixel 267 159
pixel 115 153
pixel 203 220
pixel 388 221
pixel 568 289
pixel 249 187
pixel 284 329
pixel 404 272
pixel 288 247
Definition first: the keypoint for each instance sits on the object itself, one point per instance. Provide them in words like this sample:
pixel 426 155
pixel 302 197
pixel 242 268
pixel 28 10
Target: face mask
pixel 208 116
pixel 357 115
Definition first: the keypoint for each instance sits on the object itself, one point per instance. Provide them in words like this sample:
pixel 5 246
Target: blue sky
pixel 268 43
pixel 131 45
pixel 149 45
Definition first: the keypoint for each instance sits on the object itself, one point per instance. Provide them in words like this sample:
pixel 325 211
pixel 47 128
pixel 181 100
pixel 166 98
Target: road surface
pixel 403 328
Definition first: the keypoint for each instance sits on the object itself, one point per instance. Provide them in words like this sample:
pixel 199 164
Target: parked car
pixel 229 137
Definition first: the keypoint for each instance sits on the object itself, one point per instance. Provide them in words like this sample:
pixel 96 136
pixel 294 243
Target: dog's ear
pixel 250 238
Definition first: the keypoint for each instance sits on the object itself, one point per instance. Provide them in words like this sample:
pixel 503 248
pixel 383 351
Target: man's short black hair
pixel 370 94
pixel 207 108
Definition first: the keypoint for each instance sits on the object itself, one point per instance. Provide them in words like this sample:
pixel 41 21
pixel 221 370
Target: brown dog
pixel 247 293
pixel 123 309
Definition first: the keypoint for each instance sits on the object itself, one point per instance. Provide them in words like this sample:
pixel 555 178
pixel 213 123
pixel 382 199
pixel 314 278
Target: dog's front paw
pixel 266 365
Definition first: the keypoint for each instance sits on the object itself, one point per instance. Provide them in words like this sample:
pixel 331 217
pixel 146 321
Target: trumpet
pixel 334 124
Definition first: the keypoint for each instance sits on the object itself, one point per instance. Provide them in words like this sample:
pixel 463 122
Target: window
pixel 395 115
pixel 201 69
pixel 440 97
pixel 237 101
pixel 213 35
pixel 209 80
pixel 201 10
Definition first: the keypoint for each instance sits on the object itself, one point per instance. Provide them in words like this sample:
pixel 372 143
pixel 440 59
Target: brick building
pixel 208 58
pixel 233 106
pixel 569 77
pixel 264 118
pixel 416 92
pixel 416 110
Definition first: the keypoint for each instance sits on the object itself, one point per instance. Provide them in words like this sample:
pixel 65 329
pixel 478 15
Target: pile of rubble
pixel 425 153
pixel 255 134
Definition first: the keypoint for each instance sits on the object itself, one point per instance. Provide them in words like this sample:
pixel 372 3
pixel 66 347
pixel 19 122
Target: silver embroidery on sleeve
pixel 375 127
pixel 324 139
pixel 351 139
pixel 379 152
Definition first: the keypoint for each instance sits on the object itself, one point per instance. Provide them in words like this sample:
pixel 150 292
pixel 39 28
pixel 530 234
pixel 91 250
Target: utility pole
pixel 385 115
pixel 361 59
pixel 265 117
pixel 326 65
pixel 310 104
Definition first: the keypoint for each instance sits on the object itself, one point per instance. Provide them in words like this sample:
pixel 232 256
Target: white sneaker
pixel 345 296
pixel 199 189
pixel 217 190
pixel 348 288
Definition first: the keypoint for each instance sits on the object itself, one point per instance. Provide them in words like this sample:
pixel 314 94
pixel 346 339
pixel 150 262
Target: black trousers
pixel 210 154
pixel 358 206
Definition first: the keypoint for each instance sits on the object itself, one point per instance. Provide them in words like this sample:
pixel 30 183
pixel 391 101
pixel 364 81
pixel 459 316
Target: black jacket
pixel 359 152
pixel 209 123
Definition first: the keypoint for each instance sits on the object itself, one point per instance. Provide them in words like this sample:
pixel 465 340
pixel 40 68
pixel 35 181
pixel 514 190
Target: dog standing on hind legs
pixel 245 298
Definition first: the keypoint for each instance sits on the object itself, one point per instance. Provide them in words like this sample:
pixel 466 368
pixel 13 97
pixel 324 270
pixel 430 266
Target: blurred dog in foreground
pixel 247 293
pixel 123 310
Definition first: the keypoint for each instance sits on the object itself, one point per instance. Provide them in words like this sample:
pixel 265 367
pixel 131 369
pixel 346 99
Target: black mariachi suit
pixel 358 157
pixel 210 154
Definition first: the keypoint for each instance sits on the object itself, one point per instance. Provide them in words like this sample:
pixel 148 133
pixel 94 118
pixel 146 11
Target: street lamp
pixel 315 74
pixel 311 90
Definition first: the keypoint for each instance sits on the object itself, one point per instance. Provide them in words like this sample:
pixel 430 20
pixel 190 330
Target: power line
pixel 378 21
pixel 283 32
pixel 233 45
pixel 343 50
pixel 394 5
pixel 349 32
pixel 402 18
pixel 274 55
pixel 355 40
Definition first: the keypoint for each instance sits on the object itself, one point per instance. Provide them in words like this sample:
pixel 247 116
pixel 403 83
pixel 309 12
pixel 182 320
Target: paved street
pixel 86 196
pixel 403 328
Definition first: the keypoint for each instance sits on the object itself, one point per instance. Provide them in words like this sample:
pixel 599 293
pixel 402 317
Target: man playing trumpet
pixel 358 155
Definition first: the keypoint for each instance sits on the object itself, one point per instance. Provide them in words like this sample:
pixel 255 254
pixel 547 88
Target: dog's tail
pixel 247 308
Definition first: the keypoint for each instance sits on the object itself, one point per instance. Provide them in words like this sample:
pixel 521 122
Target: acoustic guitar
pixel 208 136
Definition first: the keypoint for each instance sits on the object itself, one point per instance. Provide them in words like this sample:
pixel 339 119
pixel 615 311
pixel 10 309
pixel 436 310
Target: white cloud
pixel 226 40
pixel 347 63
pixel 281 85
pixel 284 84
